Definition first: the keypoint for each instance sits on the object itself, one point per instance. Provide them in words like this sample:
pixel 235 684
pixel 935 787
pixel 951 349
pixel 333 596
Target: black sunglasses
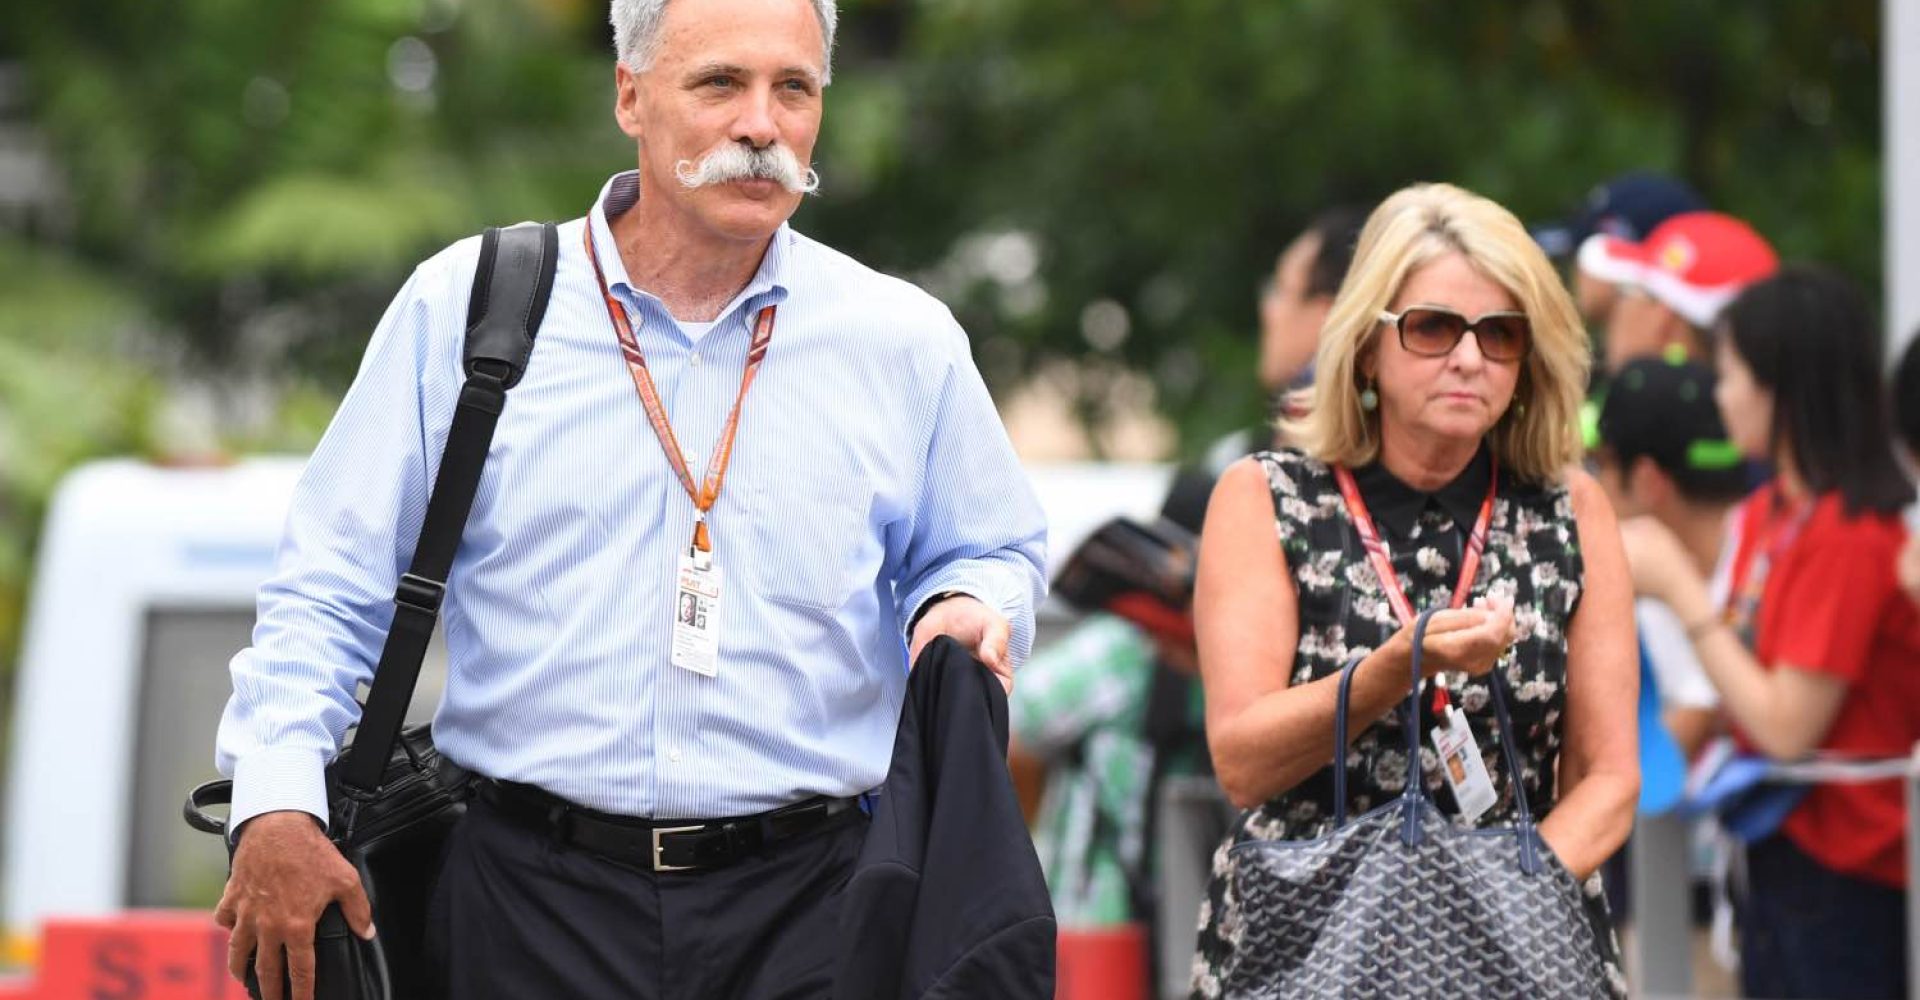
pixel 1433 332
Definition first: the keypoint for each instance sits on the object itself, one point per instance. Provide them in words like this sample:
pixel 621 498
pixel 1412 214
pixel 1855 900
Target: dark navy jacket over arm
pixel 948 900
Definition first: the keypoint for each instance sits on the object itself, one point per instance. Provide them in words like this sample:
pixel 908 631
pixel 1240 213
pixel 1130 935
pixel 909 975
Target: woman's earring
pixel 1369 399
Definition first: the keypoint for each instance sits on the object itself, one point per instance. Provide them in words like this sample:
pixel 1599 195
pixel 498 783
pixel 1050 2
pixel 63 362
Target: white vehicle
pixel 143 591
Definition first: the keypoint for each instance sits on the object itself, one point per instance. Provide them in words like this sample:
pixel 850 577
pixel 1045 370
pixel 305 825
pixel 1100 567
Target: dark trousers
pixel 519 915
pixel 1808 931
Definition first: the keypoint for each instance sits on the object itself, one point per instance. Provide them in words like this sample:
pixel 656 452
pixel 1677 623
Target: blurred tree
pixel 1157 154
pixel 258 177
pixel 236 191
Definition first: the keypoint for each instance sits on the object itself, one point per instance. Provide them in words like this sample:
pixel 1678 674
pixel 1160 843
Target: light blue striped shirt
pixel 870 472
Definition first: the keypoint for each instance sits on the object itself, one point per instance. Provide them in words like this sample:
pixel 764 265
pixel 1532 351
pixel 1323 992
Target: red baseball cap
pixel 1693 263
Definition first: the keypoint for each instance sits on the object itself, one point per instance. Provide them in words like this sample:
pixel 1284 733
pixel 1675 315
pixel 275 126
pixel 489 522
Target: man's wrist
pixel 277 779
pixel 927 605
pixel 318 823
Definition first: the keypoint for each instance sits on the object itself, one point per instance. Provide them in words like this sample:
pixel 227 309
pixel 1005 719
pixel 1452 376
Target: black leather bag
pixel 392 798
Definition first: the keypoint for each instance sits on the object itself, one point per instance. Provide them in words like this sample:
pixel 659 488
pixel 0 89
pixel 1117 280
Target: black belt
pixel 662 845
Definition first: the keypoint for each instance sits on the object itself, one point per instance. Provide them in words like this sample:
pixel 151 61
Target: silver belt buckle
pixel 660 831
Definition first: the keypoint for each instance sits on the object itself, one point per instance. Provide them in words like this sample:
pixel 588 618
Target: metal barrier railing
pixel 1660 888
pixel 1193 818
pixel 1913 866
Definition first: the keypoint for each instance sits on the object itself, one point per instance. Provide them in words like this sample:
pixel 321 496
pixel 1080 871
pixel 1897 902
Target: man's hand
pixel 981 629
pixel 285 872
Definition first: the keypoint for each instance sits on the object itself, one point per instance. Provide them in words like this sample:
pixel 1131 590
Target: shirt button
pixel 692 459
pixel 674 755
pixel 694 360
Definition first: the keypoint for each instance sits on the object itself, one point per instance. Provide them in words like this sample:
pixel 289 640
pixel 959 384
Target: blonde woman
pixel 1451 369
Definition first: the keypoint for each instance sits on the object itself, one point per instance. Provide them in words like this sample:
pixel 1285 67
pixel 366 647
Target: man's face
pixel 748 72
pixel 1290 321
pixel 1612 476
pixel 1638 326
pixel 1595 298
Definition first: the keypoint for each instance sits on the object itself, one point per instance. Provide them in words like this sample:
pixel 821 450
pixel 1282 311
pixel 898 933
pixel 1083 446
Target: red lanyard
pixel 705 494
pixel 1750 574
pixel 1383 562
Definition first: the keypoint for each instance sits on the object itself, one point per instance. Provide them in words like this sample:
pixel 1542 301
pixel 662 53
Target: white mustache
pixel 738 161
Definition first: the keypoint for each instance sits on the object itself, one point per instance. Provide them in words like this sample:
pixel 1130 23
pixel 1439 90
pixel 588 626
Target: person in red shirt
pixel 1906 416
pixel 1816 649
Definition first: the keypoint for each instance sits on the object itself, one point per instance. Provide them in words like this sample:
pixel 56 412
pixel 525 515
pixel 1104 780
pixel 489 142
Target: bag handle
pixel 1523 815
pixel 218 792
pixel 512 283
pixel 1410 723
pixel 1340 741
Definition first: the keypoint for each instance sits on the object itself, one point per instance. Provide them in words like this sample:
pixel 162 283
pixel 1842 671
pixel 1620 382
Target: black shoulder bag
pixel 393 798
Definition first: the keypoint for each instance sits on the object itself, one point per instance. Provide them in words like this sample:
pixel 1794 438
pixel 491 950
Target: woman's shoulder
pixel 1561 496
pixel 1832 524
pixel 1292 472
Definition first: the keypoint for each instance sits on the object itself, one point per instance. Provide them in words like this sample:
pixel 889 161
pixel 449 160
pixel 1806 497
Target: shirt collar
pixel 621 193
pixel 1397 506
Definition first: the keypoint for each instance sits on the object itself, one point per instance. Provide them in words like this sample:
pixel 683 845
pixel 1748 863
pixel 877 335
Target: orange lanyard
pixel 704 494
pixel 1383 562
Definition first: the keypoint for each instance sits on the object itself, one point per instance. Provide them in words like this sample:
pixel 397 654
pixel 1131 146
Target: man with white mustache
pixel 712 397
pixel 742 162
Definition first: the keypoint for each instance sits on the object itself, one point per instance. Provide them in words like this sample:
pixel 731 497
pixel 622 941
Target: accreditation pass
pixel 696 614
pixel 1460 762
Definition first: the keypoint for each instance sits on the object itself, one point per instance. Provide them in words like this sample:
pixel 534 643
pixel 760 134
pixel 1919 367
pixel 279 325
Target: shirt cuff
pixel 927 603
pixel 275 780
pixel 975 585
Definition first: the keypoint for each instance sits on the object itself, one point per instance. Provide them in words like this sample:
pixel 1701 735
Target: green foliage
pixel 1162 152
pixel 66 395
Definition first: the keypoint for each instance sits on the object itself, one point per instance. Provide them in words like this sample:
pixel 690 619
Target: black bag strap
pixel 509 298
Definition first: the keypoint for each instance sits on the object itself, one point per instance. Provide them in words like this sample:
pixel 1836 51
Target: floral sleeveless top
pixel 1532 557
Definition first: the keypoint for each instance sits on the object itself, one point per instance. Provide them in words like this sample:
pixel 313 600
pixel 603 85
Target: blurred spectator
pixel 1816 649
pixel 1080 708
pixel 1673 285
pixel 1295 300
pixel 1906 415
pixel 1628 208
pixel 1114 707
pixel 1293 306
pixel 1663 452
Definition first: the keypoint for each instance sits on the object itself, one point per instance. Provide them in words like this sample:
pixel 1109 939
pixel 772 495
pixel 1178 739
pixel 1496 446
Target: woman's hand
pixel 1654 556
pixel 1465 640
pixel 1661 568
pixel 1907 570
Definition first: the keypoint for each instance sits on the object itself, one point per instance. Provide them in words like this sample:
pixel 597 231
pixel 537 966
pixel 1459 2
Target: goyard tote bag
pixel 1401 903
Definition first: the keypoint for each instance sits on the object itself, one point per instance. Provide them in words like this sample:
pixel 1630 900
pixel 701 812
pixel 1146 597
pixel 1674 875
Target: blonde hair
pixel 1539 435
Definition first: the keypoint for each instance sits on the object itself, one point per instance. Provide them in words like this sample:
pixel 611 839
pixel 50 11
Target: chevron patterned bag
pixel 1401 903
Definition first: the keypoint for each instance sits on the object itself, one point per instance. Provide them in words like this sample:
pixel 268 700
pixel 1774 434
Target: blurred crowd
pixel 1741 422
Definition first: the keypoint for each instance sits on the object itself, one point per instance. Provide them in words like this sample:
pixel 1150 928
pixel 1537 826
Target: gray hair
pixel 636 32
